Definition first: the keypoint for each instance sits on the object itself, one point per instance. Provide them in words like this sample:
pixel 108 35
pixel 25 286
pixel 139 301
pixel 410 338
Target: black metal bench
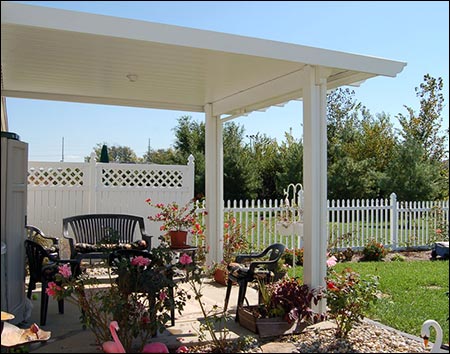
pixel 97 235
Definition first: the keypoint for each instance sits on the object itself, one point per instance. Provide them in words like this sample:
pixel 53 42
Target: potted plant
pixel 177 221
pixel 235 241
pixel 290 220
pixel 285 308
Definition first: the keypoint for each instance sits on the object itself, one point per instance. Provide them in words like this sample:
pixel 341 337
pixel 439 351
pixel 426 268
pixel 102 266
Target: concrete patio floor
pixel 68 336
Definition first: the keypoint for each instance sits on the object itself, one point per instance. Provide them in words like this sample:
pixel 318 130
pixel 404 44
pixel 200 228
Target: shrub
pixel 288 256
pixel 348 298
pixel 374 251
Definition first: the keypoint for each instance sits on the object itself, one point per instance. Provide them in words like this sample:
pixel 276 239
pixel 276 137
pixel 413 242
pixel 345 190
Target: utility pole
pixel 62 150
pixel 148 151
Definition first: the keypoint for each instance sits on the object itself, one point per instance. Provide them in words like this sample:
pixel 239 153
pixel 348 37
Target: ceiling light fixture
pixel 132 77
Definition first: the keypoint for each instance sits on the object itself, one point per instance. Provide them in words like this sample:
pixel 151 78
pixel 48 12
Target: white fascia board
pixel 103 100
pixel 29 15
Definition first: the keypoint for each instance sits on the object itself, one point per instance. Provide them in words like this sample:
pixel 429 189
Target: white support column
pixel 214 185
pixel 315 180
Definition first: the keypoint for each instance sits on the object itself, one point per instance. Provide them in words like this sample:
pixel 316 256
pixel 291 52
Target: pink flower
pixel 65 270
pixel 331 261
pixel 140 261
pixel 185 259
pixel 182 349
pixel 52 289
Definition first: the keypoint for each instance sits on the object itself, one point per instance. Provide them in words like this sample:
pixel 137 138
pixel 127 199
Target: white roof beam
pixel 272 92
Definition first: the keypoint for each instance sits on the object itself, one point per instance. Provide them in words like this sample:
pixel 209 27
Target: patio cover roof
pixel 78 57
pixel 71 56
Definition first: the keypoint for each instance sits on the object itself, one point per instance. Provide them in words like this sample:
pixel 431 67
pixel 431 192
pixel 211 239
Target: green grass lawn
pixel 413 292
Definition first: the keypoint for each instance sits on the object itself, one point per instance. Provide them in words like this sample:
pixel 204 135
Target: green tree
pixel 410 176
pixel 291 163
pixel 162 157
pixel 117 154
pixel 265 165
pixel 190 140
pixel 239 176
pixel 375 141
pixel 425 126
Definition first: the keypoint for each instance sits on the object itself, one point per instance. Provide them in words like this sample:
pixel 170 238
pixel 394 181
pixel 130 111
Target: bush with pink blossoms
pixel 138 298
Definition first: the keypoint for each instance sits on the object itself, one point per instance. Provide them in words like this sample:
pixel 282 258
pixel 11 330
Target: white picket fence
pixel 60 189
pixel 351 223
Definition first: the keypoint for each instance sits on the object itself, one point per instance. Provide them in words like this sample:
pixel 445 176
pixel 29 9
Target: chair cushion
pixel 105 247
pixel 48 245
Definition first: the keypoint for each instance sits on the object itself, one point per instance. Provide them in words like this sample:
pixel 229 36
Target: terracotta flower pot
pixel 221 276
pixel 178 239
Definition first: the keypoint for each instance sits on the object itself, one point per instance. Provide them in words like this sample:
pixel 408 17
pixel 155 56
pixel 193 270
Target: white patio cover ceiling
pixel 71 56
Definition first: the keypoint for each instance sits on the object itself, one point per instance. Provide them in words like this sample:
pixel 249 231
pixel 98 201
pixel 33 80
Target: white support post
pixel 315 180
pixel 214 186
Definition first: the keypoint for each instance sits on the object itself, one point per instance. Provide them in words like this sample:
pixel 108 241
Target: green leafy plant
pixel 349 297
pixel 292 299
pixel 374 251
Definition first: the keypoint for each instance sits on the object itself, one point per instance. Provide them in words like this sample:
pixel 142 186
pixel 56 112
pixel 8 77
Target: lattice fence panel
pixel 56 177
pixel 142 178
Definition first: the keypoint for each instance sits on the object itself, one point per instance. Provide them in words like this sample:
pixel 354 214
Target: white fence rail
pixel 60 189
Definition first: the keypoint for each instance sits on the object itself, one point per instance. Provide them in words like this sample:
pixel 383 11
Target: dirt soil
pixel 409 255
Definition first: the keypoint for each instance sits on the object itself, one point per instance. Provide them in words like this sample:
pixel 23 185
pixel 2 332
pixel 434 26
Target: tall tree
pixel 410 176
pixel 240 177
pixel 190 140
pixel 117 154
pixel 291 163
pixel 161 156
pixel 425 126
pixel 265 165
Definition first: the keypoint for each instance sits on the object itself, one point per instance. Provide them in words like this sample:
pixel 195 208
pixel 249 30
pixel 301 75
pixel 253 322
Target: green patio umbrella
pixel 104 157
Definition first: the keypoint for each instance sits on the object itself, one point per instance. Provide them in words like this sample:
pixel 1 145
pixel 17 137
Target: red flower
pixel 331 286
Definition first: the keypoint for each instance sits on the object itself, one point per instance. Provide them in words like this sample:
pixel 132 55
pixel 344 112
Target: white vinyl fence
pixel 351 223
pixel 60 189
pixel 57 190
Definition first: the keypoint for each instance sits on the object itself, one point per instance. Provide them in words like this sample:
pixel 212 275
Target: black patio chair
pixel 262 266
pixel 42 269
pixel 50 244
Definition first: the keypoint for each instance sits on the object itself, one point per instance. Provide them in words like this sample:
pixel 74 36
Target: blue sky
pixel 416 32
